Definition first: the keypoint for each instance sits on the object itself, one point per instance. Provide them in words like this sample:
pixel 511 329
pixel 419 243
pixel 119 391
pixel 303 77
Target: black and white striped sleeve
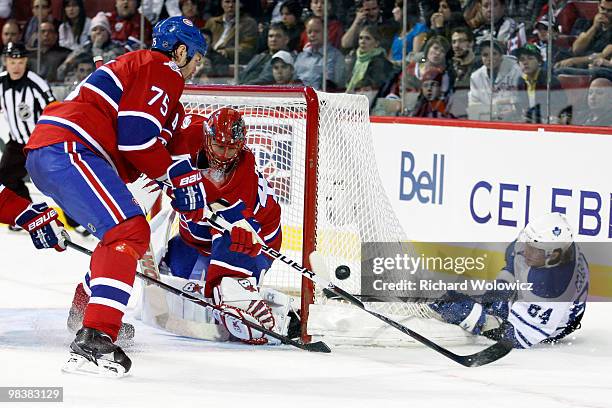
pixel 41 90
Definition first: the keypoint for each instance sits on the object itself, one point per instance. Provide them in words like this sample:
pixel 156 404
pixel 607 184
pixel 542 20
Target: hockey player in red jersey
pixel 230 263
pixel 39 220
pixel 105 134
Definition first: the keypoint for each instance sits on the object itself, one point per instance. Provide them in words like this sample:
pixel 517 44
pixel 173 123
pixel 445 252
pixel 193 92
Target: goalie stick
pixel 486 356
pixel 318 346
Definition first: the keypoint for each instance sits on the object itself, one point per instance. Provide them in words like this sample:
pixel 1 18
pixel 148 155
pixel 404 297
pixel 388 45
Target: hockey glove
pixel 188 190
pixel 44 227
pixel 244 242
pixel 457 308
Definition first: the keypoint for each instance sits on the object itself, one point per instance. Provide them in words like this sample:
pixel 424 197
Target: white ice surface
pixel 36 288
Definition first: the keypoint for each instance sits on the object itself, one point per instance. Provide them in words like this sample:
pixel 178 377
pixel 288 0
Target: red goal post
pixel 312 125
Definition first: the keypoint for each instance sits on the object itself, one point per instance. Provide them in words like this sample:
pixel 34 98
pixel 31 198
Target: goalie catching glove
pixel 241 298
pixel 45 229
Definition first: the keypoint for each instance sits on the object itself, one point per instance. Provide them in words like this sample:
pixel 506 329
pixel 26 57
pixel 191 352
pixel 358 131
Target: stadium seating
pixel 575 10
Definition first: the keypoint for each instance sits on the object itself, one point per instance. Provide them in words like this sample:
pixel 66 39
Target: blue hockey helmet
pixel 168 33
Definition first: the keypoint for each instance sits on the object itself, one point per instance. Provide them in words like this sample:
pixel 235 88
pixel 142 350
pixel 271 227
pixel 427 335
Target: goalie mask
pixel 224 138
pixel 546 240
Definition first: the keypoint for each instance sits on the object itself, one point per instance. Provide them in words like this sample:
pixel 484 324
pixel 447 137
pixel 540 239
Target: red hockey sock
pixel 113 270
pixel 80 299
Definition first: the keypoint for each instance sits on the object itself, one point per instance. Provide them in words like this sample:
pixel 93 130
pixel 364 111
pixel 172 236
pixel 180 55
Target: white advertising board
pixel 472 184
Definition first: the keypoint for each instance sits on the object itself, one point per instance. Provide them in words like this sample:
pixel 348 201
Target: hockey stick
pixel 315 347
pixel 486 356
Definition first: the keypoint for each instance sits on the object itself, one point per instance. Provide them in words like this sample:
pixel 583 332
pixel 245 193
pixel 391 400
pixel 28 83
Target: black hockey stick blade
pixel 486 356
pixel 483 357
pixel 317 347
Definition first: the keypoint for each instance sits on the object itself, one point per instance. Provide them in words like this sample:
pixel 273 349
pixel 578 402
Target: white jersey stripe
pixel 112 75
pixel 125 148
pixel 108 302
pixel 272 234
pixel 181 157
pixel 231 267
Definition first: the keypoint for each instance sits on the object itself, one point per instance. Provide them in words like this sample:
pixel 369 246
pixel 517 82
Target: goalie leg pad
pixel 240 330
pixel 280 304
pixel 241 297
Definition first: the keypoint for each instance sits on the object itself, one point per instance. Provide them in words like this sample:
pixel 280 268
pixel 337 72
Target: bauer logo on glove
pixel 43 219
pixel 44 227
pixel 187 188
pixel 190 179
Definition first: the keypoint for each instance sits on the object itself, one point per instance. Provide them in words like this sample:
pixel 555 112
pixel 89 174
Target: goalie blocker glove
pixel 188 189
pixel 45 229
pixel 241 297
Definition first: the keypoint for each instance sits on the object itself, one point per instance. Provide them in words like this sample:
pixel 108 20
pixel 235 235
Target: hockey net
pixel 316 151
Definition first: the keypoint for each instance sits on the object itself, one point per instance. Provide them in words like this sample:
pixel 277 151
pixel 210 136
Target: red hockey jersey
pixel 245 184
pixel 11 205
pixel 119 112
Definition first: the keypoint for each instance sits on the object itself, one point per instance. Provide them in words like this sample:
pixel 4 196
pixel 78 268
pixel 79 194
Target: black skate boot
pixel 93 352
pixel 77 312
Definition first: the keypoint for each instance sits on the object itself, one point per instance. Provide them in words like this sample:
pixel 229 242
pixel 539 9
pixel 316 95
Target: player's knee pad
pixel 131 236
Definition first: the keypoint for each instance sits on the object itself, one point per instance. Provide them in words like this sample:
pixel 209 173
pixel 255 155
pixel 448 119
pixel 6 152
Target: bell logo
pixel 427 185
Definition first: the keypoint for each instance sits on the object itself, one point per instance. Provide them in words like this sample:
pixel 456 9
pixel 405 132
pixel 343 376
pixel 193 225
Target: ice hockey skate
pixel 93 353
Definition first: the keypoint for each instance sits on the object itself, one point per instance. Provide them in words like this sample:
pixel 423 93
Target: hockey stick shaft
pixel 317 347
pixel 486 356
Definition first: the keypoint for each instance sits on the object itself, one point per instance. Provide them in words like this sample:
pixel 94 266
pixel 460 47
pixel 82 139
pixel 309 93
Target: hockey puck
pixel 343 272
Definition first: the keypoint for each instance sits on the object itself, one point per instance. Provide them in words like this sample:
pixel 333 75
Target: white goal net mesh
pixel 351 204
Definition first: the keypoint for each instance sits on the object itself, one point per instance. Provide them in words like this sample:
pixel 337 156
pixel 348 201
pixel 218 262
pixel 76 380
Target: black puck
pixel 343 272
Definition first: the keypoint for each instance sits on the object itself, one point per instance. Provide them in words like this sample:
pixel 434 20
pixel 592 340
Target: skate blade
pixel 78 364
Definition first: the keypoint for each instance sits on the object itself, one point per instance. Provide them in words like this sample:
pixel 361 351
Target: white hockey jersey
pixel 554 305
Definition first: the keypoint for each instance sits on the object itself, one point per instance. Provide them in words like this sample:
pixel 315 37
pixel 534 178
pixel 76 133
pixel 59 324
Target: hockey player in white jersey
pixel 545 256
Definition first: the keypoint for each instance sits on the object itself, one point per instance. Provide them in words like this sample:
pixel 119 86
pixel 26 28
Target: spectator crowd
pixel 456 59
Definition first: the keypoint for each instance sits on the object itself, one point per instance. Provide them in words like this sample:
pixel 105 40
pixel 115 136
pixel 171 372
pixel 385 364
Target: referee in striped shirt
pixel 23 96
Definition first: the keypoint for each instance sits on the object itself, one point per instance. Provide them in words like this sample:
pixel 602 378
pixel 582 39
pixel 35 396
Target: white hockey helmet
pixel 550 233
